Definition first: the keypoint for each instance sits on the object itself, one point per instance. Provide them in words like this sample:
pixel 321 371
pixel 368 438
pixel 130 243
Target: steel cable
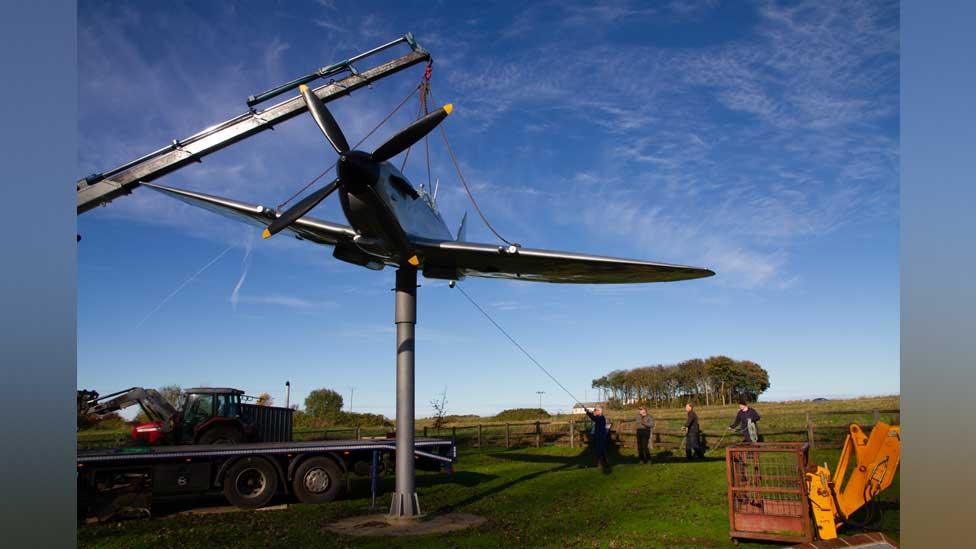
pixel 516 343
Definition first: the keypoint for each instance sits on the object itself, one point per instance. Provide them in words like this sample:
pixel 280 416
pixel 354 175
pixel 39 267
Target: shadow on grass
pixel 585 458
pixel 506 485
pixel 468 479
pixel 668 457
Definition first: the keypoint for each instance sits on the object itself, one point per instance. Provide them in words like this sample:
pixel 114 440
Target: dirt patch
pixel 224 509
pixel 377 525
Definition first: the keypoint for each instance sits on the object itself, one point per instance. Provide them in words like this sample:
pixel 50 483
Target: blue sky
pixel 758 139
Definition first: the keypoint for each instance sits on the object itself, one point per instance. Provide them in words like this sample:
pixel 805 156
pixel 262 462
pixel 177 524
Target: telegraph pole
pixel 352 391
pixel 540 393
pixel 287 394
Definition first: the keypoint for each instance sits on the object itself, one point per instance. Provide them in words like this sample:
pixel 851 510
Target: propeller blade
pixel 301 208
pixel 328 125
pixel 411 134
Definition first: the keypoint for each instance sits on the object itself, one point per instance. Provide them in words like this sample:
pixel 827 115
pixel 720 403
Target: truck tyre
pixel 221 434
pixel 317 480
pixel 250 483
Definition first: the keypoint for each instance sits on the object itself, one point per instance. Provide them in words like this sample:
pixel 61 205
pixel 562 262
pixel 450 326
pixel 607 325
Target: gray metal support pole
pixel 405 504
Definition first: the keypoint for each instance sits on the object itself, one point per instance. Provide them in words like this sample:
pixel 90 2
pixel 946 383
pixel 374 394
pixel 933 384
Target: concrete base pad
pixel 378 525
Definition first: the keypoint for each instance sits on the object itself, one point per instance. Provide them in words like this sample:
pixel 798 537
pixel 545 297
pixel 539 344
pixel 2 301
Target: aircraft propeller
pixel 357 170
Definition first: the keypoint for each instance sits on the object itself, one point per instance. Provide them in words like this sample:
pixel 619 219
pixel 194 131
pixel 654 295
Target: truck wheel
pixel 317 480
pixel 250 483
pixel 221 434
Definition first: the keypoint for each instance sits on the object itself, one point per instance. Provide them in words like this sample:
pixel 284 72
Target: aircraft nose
pixel 357 170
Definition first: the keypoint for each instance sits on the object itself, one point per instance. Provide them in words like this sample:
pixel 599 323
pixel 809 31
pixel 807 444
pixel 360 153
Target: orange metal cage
pixel 767 492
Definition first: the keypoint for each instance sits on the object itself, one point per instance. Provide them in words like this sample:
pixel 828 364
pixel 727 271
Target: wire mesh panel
pixel 767 492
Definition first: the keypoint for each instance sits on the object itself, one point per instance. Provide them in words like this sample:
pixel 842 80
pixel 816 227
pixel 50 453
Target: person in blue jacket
pixel 747 418
pixel 598 436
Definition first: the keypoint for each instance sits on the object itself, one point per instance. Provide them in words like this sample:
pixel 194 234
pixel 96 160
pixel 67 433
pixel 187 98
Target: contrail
pixel 183 285
pixel 246 264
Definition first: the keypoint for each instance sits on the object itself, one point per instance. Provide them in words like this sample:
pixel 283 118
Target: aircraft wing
pixel 450 258
pixel 307 228
pixel 492 261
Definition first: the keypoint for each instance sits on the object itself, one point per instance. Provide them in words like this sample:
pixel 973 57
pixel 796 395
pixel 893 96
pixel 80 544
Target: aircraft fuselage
pixel 389 207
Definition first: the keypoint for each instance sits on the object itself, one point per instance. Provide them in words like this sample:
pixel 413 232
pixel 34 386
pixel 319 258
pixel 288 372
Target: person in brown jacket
pixel 645 425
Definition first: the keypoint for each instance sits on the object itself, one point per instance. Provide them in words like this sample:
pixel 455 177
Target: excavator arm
pixel 149 400
pixel 876 456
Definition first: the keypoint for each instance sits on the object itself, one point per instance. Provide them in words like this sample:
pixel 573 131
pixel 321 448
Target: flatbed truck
pixel 124 481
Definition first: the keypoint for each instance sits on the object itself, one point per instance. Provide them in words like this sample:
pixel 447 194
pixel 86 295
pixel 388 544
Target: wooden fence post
pixel 507 445
pixel 572 434
pixel 425 431
pixel 538 435
pixel 810 433
pixel 877 416
pixel 479 435
pixel 454 435
pixel 358 433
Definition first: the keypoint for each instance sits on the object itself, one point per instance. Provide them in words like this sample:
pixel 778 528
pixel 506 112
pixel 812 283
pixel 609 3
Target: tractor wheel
pixel 250 483
pixel 221 434
pixel 317 480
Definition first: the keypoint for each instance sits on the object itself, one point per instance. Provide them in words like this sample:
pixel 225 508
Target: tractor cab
pixel 211 415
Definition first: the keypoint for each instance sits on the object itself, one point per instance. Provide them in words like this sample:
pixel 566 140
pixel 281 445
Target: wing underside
pixel 451 259
pixel 490 261
pixel 306 228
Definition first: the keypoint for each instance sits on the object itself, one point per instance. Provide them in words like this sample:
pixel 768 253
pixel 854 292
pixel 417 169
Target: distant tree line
pixel 522 414
pixel 714 380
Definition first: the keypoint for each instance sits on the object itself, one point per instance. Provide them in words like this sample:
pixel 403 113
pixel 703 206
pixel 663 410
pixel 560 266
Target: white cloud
pixel 288 301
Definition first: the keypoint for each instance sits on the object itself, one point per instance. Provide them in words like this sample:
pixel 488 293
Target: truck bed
pixel 423 446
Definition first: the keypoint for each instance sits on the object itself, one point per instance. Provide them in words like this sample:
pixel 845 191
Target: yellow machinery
pixel 833 501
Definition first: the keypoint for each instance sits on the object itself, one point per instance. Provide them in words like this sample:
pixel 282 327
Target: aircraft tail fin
pixel 463 227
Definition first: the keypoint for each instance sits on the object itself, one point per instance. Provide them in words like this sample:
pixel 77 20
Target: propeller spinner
pixel 358 171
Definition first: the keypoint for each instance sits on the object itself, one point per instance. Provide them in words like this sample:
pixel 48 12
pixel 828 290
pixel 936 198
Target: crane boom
pixel 100 189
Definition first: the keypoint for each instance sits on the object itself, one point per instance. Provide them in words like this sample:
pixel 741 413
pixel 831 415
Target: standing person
pixel 747 418
pixel 693 434
pixel 598 436
pixel 645 424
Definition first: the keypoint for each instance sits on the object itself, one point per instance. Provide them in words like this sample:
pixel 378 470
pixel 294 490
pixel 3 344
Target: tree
pixel 755 380
pixel 722 373
pixel 440 409
pixel 716 379
pixel 264 399
pixel 323 404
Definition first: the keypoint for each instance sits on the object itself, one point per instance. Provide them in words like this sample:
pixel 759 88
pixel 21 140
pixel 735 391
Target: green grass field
pixel 530 497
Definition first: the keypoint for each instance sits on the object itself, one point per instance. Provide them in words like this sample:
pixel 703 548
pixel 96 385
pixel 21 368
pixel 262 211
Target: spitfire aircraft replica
pixel 392 224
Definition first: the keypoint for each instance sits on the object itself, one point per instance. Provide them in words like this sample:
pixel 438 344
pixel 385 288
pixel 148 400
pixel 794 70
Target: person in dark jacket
pixel 693 447
pixel 645 424
pixel 747 418
pixel 598 436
